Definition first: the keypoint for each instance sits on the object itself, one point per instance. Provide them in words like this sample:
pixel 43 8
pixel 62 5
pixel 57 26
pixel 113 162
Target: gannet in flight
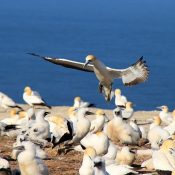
pixel 132 75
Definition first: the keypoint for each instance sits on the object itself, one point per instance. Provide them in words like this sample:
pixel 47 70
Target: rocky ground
pixel 69 164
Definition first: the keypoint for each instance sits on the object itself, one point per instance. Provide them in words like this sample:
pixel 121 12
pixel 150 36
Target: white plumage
pixel 132 75
pixel 29 163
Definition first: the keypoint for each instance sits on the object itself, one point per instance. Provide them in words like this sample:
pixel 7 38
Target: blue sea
pixel 117 32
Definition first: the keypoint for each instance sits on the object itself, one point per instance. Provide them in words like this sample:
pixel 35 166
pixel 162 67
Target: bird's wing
pixel 67 63
pixel 35 93
pixel 132 75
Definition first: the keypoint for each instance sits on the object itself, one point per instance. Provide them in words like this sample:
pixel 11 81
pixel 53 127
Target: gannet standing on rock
pixel 79 103
pixel 165 115
pixel 29 163
pixel 99 141
pixel 6 102
pixel 87 167
pixel 128 112
pixel 33 98
pixel 164 158
pixel 120 100
pixel 132 75
pixel 59 128
pixel 125 156
pixel 157 134
pixel 171 127
pixel 80 126
pixel 118 130
pixel 98 123
pixel 40 129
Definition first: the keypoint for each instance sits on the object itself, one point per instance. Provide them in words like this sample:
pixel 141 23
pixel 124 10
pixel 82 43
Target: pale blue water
pixel 116 31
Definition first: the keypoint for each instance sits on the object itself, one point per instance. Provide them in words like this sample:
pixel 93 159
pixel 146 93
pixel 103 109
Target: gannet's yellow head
pixel 129 105
pixel 99 112
pixel 157 120
pixel 90 152
pixel 71 111
pixel 56 119
pixel 167 144
pixel 117 92
pixel 77 99
pixel 22 114
pixel 173 114
pixel 13 112
pixel 164 108
pixel 89 59
pixel 99 133
pixel 28 90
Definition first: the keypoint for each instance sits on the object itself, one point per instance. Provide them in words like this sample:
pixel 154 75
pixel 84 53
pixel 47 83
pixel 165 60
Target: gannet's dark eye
pixel 117 112
pixel 35 130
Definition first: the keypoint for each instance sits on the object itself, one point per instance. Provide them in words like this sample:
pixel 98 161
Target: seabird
pixel 33 97
pixel 6 102
pixel 157 134
pixel 28 161
pixel 165 115
pixel 136 73
pixel 120 100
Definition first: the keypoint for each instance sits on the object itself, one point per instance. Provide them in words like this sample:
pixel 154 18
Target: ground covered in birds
pixel 70 163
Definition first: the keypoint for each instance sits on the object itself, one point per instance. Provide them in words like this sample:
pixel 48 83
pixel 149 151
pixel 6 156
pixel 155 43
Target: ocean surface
pixel 117 32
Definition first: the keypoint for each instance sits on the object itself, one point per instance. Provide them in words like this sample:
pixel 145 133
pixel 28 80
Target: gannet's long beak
pixel 89 113
pixel 20 148
pixel 85 64
pixel 159 107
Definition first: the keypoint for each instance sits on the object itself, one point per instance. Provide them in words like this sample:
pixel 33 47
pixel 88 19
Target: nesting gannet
pixel 125 156
pixel 98 123
pixel 59 128
pixel 112 152
pixel 157 134
pixel 171 127
pixel 132 75
pixel 164 158
pixel 40 130
pixel 128 112
pixel 118 130
pixel 99 141
pixel 4 167
pixel 79 103
pixel 12 119
pixel 165 115
pixel 133 124
pixel 7 102
pixel 29 163
pixel 120 100
pixel 80 126
pixel 99 166
pixel 33 98
pixel 87 167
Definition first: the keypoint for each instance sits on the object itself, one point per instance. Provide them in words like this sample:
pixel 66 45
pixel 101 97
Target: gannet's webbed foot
pixel 64 150
pixel 107 92
pixel 100 88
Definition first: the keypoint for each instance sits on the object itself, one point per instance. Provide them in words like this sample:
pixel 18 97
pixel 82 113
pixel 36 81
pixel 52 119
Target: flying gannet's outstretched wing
pixel 67 63
pixel 132 75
